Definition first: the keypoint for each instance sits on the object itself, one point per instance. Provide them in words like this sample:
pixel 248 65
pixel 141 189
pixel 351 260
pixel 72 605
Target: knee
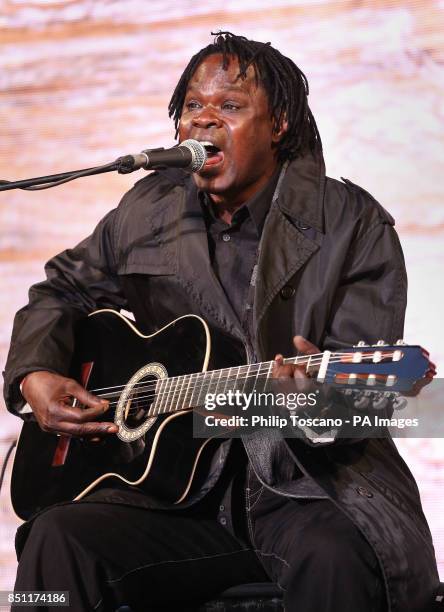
pixel 55 528
pixel 339 547
pixel 335 560
pixel 55 522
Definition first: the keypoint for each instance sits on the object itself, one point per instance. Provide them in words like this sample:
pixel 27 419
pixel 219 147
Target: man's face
pixel 233 114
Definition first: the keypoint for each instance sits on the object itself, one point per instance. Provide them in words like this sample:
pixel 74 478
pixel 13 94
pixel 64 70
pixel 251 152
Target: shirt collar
pixel 256 207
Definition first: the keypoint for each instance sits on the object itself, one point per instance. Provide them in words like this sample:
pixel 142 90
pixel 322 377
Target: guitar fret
pixel 182 382
pixel 226 380
pixel 218 381
pixel 193 389
pixel 185 403
pixel 157 395
pixel 165 395
pixel 270 370
pixel 201 386
pixel 236 379
pixel 172 398
pixel 210 382
pixel 256 378
pixel 246 377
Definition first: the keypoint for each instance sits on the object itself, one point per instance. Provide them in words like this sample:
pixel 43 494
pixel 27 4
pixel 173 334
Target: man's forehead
pixel 229 75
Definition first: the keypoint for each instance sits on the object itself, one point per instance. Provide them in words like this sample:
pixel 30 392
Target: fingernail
pixel 111 428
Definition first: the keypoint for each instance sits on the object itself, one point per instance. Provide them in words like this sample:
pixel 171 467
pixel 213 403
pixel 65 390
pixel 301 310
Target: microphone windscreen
pixel 198 154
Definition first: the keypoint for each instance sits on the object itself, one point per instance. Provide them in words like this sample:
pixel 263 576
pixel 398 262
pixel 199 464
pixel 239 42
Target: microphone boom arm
pixel 189 154
pixel 52 180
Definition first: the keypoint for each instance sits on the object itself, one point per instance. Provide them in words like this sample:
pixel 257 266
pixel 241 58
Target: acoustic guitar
pixel 153 384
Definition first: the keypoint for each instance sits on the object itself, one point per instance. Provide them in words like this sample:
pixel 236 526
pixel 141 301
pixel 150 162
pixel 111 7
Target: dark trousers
pixel 109 554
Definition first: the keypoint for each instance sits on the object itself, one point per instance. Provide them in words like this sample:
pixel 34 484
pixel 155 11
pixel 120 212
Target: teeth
pixel 207 144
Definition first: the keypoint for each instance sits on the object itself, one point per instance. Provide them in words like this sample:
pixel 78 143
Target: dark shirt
pixel 233 254
pixel 234 248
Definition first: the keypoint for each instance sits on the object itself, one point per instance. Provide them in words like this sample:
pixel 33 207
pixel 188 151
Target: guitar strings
pixel 199 379
pixel 136 400
pixel 137 404
pixel 170 380
pixel 198 382
pixel 259 365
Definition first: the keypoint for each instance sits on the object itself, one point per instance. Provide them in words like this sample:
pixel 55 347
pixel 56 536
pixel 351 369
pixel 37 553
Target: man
pixel 337 525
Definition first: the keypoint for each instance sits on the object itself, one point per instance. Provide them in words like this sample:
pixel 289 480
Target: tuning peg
pixel 362 402
pixel 371 380
pixel 400 343
pixel 360 343
pixel 390 395
pixel 400 403
pixel 377 356
pixel 380 402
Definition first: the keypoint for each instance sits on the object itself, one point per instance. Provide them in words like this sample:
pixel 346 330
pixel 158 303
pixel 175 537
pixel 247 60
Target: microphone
pixel 190 154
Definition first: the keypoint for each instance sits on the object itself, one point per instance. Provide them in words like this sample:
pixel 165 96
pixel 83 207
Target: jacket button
pixel 364 492
pixel 287 292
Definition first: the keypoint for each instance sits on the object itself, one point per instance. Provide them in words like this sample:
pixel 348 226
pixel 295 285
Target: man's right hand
pixel 51 396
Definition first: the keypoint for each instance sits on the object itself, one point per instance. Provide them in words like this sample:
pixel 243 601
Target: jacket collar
pixel 256 207
pixel 302 191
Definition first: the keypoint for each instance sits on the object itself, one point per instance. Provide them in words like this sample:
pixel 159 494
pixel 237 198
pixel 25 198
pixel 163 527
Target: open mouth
pixel 214 154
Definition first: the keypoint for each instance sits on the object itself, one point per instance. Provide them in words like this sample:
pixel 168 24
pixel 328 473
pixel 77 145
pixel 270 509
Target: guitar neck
pixel 381 367
pixel 190 390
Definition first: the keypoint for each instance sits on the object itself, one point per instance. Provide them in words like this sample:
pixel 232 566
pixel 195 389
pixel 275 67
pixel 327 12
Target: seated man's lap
pixel 114 553
pixel 129 554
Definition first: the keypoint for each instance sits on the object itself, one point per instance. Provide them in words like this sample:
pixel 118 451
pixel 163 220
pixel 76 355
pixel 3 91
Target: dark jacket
pixel 330 268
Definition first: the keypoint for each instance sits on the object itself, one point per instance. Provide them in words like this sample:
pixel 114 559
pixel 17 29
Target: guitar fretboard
pixel 190 390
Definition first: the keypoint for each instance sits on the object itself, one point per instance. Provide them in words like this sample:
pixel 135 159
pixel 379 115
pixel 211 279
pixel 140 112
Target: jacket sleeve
pixel 369 304
pixel 78 281
pixel 370 301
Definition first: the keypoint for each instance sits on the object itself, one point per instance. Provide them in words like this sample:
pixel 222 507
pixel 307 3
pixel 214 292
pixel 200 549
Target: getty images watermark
pixel 319 411
pixel 257 398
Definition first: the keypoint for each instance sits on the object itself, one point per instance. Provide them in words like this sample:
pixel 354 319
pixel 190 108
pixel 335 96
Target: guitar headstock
pixel 395 368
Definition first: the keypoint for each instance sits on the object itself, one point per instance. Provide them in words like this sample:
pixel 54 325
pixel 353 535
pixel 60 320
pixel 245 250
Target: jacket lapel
pixel 195 272
pixel 284 248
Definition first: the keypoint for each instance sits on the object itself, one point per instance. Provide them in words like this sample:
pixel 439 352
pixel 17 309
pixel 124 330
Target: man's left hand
pixel 281 370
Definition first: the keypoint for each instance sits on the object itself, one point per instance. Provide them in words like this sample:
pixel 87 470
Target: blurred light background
pixel 83 81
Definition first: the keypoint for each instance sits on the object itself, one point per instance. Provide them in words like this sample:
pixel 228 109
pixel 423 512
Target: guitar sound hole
pixel 137 408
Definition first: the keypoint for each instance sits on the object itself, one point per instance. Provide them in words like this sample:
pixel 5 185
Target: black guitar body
pixel 50 469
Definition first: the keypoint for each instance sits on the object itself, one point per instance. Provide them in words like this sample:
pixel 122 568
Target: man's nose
pixel 207 118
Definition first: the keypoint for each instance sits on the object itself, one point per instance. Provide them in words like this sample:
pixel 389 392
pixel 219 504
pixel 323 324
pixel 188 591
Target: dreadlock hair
pixel 285 84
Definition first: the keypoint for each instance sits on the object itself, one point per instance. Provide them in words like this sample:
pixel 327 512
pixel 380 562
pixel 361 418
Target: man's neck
pixel 226 204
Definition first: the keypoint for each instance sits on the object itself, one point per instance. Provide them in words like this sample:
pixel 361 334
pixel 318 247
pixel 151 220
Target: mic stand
pixel 123 165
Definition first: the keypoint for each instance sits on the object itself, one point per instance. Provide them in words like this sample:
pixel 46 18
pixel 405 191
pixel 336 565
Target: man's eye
pixel 192 105
pixel 230 106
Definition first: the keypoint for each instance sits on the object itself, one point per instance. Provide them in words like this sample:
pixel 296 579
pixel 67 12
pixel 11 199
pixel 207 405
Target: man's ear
pixel 280 130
